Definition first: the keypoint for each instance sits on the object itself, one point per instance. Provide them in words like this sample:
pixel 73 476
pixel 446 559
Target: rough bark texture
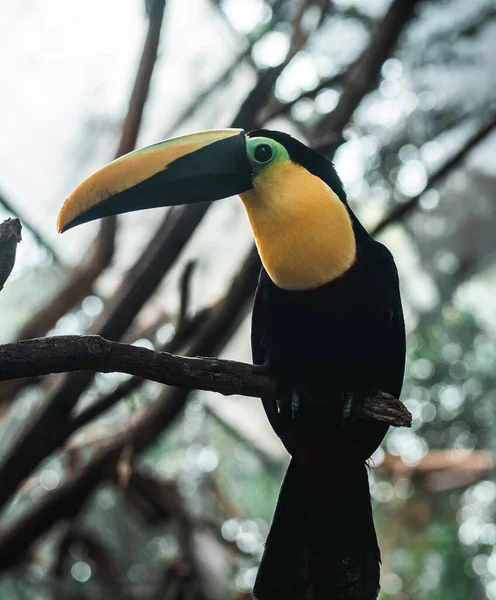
pixel 58 354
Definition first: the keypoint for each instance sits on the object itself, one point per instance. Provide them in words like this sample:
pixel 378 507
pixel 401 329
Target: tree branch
pixel 123 390
pixel 400 211
pixel 10 236
pixel 69 497
pixel 362 75
pixel 38 236
pixel 30 358
pixel 262 92
pixel 44 434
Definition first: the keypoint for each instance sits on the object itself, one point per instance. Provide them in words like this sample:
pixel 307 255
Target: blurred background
pixel 111 487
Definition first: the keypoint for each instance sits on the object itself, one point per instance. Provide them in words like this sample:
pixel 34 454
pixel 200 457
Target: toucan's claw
pixel 295 403
pixel 348 412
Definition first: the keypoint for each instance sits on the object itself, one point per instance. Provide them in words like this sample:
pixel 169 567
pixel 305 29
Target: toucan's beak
pixel 200 167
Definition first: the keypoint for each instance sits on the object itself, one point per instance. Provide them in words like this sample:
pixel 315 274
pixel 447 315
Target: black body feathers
pixel 330 347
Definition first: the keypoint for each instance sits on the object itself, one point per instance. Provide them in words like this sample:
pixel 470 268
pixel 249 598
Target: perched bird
pixel 327 321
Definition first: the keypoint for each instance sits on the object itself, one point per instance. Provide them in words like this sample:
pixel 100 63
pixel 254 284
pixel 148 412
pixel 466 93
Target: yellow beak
pixel 200 167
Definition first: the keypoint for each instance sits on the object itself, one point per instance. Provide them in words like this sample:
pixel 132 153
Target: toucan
pixel 327 322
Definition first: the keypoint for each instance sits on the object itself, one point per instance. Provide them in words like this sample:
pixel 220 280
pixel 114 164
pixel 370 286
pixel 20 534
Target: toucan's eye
pixel 263 153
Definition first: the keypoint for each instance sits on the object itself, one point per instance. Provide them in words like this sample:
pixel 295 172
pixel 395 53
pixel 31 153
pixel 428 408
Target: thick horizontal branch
pixel 58 354
pixel 66 353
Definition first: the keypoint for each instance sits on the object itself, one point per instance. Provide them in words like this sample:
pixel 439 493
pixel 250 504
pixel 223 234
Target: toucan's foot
pixel 265 368
pixel 283 404
pixel 350 409
pixel 295 403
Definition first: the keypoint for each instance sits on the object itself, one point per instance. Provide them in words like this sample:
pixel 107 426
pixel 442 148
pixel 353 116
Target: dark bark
pixel 38 236
pixel 65 353
pixel 10 236
pixel 106 402
pixel 361 77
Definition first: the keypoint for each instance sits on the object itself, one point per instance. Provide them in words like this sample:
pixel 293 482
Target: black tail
pixel 322 542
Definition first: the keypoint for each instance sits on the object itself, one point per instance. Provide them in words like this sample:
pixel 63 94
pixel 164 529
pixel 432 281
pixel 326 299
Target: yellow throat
pixel 302 230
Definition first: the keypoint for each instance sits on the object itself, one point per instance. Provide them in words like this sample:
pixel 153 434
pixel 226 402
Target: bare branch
pixel 362 75
pixel 248 115
pixel 401 210
pixel 123 390
pixel 64 353
pixel 40 239
pixel 10 236
pixel 68 353
pixel 441 470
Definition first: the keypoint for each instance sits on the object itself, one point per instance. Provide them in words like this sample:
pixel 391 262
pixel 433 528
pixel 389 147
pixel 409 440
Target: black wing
pixel 381 269
pixel 259 347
